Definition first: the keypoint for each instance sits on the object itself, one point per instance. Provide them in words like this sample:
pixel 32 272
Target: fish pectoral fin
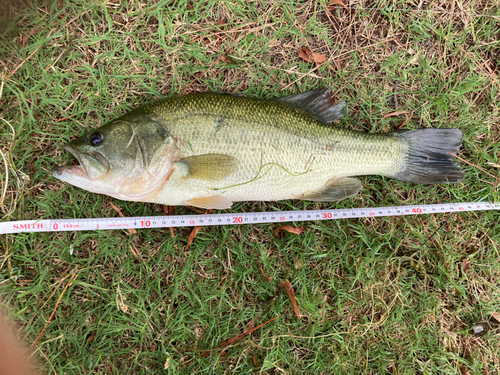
pixel 214 201
pixel 319 103
pixel 208 167
pixel 335 190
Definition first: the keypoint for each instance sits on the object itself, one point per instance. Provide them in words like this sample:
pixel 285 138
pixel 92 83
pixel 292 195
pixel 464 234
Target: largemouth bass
pixel 210 150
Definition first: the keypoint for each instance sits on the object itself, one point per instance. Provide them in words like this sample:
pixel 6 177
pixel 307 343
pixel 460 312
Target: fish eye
pixel 96 139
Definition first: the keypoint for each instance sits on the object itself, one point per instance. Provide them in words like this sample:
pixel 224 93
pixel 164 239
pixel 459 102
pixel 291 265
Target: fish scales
pixel 273 139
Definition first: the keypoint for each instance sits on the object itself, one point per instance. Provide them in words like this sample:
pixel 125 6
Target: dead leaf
pixel 397 113
pixel 465 264
pixel 298 264
pixel 495 316
pixel 25 38
pixel 191 237
pixel 268 278
pixel 331 4
pixel 227 59
pixel 463 370
pixel 309 56
pixel 119 212
pixel 194 232
pixel 291 296
pixel 221 21
pixel 90 338
pixel 288 228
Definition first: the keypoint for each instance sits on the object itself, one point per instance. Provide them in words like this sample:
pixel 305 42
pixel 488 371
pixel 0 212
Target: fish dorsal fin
pixel 218 202
pixel 335 190
pixel 319 103
pixel 208 167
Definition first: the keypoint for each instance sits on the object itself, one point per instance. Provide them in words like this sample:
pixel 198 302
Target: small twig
pixel 396 113
pixel 268 278
pixel 169 210
pixel 474 165
pixel 237 337
pixel 53 311
pixel 401 124
pixel 119 212
pixel 29 56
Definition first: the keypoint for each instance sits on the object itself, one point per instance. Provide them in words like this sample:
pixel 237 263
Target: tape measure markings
pixel 64 225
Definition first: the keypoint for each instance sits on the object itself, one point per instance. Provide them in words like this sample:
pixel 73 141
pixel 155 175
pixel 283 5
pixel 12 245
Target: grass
pixel 396 295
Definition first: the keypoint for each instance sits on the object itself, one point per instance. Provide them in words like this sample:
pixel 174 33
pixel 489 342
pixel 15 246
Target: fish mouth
pixel 82 168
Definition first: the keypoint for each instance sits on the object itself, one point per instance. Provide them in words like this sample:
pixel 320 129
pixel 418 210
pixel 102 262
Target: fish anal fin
pixel 335 190
pixel 217 202
pixel 208 167
pixel 319 103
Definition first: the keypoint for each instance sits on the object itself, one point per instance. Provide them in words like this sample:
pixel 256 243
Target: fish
pixel 210 150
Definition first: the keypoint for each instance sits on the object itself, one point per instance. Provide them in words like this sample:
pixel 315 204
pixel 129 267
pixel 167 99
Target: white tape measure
pixel 64 225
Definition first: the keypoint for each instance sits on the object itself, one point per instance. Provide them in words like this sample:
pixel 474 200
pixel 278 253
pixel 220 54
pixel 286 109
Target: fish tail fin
pixel 429 156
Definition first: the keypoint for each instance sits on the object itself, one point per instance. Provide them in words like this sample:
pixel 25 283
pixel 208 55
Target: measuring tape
pixel 66 225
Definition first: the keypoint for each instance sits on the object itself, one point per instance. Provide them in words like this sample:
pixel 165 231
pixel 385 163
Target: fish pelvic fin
pixel 429 156
pixel 218 202
pixel 334 190
pixel 319 103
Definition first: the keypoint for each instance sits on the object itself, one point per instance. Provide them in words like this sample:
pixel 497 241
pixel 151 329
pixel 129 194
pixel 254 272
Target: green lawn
pixel 376 295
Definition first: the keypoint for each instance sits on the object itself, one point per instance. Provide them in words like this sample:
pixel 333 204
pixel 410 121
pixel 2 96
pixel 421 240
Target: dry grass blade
pixel 29 56
pixel 53 311
pixel 119 212
pixel 135 253
pixel 237 337
pixel 474 165
pixel 4 190
pixel 291 296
